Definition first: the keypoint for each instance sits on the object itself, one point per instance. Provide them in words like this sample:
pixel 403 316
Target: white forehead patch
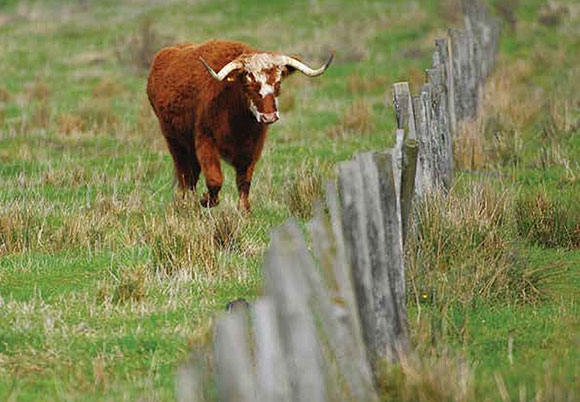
pixel 256 64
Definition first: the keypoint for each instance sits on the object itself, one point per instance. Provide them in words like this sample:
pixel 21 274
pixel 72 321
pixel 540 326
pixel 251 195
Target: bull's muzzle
pixel 269 118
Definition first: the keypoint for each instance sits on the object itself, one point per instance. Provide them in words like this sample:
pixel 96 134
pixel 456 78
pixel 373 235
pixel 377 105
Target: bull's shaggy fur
pixel 205 118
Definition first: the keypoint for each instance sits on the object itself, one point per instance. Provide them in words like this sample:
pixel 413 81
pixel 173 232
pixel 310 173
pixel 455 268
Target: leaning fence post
pixel 409 170
pixel 372 224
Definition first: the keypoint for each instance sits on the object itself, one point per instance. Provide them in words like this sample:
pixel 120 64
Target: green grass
pixel 107 280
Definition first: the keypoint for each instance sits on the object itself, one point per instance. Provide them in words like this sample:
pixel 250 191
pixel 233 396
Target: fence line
pixel 330 316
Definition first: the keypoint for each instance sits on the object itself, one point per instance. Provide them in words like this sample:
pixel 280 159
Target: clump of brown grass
pixel 434 378
pixel 226 228
pixel 107 88
pixel 38 91
pixel 130 285
pixel 191 240
pixel 98 114
pixel 42 115
pixel 356 119
pixel 18 231
pixel 70 123
pixel 549 221
pixel 303 190
pixel 552 13
pixel 5 96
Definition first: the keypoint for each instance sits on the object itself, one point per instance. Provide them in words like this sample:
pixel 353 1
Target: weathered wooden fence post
pixel 371 219
pixel 289 288
pixel 235 378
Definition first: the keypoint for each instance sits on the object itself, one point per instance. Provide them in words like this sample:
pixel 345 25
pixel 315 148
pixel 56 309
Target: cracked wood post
pixel 424 182
pixel 372 224
pixel 335 305
pixel 290 290
pixel 459 58
pixel 440 128
pixel 443 49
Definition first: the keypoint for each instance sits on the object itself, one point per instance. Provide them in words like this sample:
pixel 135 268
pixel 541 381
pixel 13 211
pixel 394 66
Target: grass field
pixel 107 280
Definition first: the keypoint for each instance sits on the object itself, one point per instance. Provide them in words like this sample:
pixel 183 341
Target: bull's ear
pixel 234 76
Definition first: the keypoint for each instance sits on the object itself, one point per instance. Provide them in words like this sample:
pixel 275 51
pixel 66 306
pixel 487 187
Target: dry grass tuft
pixel 461 251
pixel 435 378
pixel 553 13
pixel 107 88
pixel 70 124
pixel 131 286
pixel 191 240
pixel 38 91
pixel 227 226
pixel 5 96
pixel 42 115
pixel 98 114
pixel 303 190
pixel 356 119
pixel 549 221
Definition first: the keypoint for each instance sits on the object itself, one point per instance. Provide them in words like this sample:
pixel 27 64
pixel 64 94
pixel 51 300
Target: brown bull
pixel 207 115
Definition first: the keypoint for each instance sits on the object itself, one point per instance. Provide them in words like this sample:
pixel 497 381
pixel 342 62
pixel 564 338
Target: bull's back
pixel 179 86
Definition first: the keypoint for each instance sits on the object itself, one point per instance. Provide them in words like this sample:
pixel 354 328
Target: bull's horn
pixel 298 65
pixel 224 72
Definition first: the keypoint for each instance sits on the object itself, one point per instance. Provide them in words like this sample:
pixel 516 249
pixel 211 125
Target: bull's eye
pixel 230 79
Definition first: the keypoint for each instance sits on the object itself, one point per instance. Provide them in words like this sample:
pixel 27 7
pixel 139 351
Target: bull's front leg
pixel 209 160
pixel 243 182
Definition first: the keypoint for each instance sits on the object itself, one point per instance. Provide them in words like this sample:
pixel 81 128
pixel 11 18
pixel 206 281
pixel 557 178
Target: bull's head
pixel 260 75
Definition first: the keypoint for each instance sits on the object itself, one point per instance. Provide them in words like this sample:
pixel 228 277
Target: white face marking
pixel 256 64
pixel 259 115
pixel 255 111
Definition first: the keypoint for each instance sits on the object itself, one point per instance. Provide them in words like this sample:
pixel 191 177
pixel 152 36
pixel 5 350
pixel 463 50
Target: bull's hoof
pixel 208 201
pixel 244 207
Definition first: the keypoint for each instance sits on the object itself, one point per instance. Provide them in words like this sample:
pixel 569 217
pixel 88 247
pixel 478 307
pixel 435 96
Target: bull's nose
pixel 269 118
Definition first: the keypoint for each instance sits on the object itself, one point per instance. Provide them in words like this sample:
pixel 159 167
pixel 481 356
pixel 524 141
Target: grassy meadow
pixel 108 279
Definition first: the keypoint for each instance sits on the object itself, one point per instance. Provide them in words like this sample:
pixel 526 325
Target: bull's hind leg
pixel 185 163
pixel 209 160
